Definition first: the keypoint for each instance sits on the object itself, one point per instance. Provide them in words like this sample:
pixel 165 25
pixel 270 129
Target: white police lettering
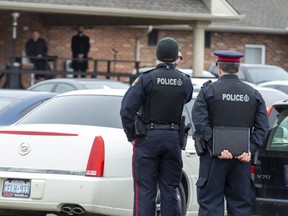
pixel 169 81
pixel 235 97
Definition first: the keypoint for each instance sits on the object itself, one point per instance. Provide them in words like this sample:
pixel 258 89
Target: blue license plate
pixel 16 188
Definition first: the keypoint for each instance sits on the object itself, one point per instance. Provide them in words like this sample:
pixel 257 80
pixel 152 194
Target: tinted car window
pixel 283 88
pixel 241 75
pixel 85 110
pixel 44 87
pixel 5 102
pixel 278 137
pixel 80 109
pixel 63 87
pixel 30 108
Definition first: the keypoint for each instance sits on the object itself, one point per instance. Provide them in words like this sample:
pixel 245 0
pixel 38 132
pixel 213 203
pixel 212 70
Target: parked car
pixel 14 104
pixel 196 81
pixel 188 71
pixel 270 95
pixel 71 156
pixel 257 73
pixel 281 85
pixel 62 85
pixel 270 169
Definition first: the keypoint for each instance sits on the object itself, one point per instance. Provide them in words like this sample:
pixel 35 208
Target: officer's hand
pixel 133 142
pixel 245 157
pixel 225 154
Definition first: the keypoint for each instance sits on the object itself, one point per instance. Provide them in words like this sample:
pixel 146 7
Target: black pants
pixel 224 178
pixel 41 64
pixel 157 160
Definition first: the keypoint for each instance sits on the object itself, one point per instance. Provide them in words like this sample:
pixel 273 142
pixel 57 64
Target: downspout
pixel 150 28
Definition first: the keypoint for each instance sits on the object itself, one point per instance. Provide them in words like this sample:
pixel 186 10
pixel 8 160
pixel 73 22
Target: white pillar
pixel 198 47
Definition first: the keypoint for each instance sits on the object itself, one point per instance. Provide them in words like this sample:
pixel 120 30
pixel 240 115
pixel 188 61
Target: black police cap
pixel 167 50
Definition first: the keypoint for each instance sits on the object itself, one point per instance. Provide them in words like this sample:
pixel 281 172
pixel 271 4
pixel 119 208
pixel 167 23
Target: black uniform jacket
pixel 201 118
pixel 137 94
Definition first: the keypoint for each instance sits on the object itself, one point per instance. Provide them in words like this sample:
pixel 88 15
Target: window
pixel 207 39
pixel 153 37
pixel 255 54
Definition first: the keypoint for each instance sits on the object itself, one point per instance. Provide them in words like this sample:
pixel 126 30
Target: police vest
pixel 164 103
pixel 233 104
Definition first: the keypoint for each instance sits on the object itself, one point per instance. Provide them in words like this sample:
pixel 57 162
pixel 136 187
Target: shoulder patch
pixel 135 81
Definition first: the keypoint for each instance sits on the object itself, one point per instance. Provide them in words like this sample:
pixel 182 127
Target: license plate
pixel 16 188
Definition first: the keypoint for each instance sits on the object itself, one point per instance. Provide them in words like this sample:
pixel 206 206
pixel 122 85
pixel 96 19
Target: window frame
pixel 257 46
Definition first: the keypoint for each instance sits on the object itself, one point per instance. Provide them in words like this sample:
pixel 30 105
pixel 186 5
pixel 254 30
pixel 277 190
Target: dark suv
pixel 270 168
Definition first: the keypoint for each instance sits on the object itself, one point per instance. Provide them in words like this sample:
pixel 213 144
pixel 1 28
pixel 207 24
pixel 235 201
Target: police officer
pixel 227 175
pixel 156 97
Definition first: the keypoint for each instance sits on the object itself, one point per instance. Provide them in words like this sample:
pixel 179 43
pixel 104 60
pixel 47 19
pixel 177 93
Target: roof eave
pixel 117 12
pixel 221 28
pixel 245 29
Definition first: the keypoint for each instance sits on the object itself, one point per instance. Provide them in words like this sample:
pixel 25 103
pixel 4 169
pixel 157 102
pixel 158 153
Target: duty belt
pixel 153 126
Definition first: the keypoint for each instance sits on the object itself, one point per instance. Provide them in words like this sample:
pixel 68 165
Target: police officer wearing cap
pixel 228 102
pixel 156 97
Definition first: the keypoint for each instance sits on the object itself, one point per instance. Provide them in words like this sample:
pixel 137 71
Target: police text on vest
pixel 235 97
pixel 169 81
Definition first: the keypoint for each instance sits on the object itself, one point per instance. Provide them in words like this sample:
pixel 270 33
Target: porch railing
pixel 104 68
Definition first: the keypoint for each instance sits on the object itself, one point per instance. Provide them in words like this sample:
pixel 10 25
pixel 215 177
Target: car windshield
pixel 264 74
pixel 95 110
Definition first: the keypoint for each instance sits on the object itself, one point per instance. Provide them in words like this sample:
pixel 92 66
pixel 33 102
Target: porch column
pixel 198 47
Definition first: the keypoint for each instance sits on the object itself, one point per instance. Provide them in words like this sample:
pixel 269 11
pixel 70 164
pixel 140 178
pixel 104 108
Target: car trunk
pixel 47 148
pixel 271 167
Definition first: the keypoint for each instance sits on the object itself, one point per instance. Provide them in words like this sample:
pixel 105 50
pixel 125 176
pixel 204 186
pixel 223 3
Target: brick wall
pixel 104 38
pixel 276 46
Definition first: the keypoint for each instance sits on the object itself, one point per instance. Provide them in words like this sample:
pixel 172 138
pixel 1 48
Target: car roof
pixel 271 95
pixel 259 65
pixel 116 92
pixel 20 94
pixel 110 92
pixel 281 102
pixel 78 80
pixel 274 82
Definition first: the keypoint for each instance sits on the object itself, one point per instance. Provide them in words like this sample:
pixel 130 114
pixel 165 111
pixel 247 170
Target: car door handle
pixel 190 152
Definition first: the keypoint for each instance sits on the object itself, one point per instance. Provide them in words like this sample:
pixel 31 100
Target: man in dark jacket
pixel 157 98
pixel 238 112
pixel 37 50
pixel 80 48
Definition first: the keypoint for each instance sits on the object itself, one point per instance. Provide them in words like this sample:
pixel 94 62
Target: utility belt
pixel 141 128
pixel 155 126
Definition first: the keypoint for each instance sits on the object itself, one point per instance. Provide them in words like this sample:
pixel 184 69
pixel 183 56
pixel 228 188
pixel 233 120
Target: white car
pixel 271 95
pixel 70 156
pixel 281 85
